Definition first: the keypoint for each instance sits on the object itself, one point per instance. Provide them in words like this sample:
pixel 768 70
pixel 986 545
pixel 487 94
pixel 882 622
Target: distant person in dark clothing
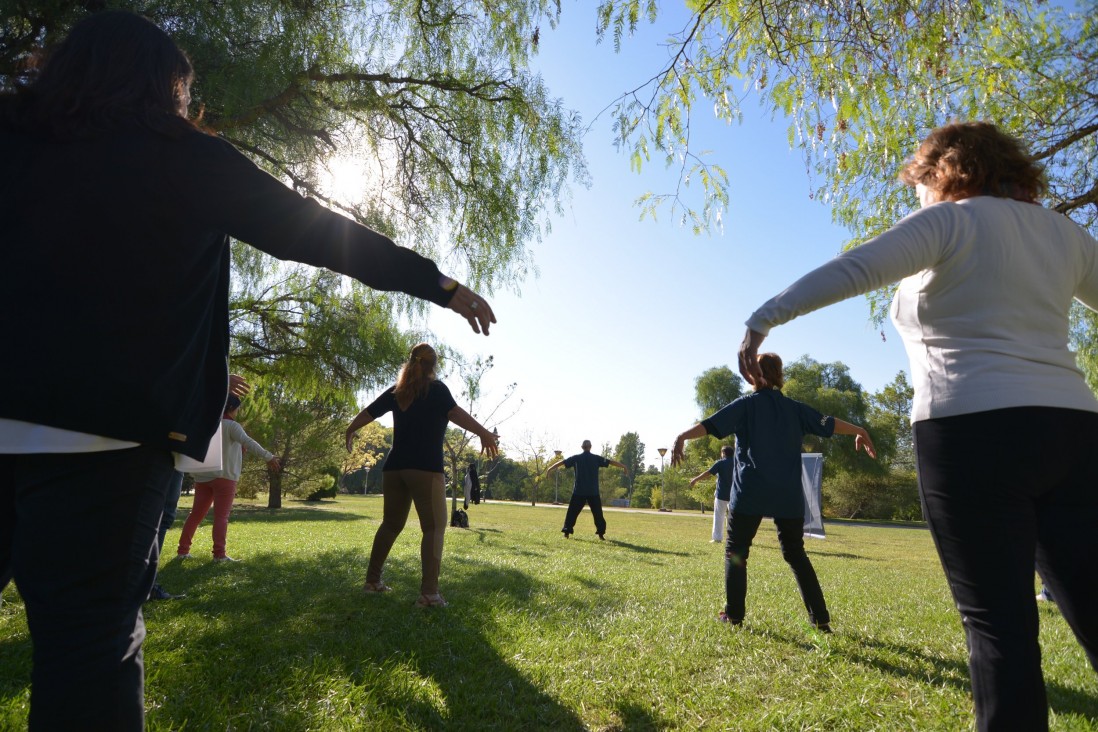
pixel 422 407
pixel 585 489
pixel 472 485
pixel 723 470
pixel 769 428
pixel 117 213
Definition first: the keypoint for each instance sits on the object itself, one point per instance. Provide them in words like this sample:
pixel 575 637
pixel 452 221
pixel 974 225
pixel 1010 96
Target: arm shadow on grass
pixel 1061 699
pixel 906 662
pixel 645 549
pixel 289 644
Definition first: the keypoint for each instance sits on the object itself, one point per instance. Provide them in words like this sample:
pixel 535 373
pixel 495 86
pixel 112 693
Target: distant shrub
pixel 893 496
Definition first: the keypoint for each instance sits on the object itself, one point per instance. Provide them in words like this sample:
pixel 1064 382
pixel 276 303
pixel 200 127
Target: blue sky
pixel 626 313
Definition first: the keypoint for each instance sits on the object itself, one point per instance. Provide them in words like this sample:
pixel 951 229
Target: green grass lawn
pixel 548 633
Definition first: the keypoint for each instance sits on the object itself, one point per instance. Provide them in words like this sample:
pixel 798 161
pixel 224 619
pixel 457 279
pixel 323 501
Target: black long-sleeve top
pixel 114 277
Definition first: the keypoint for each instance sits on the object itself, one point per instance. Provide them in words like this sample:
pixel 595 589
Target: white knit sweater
pixel 982 306
pixel 233 438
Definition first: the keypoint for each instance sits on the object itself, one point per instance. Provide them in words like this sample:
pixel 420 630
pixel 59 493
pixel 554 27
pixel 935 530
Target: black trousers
pixel 575 505
pixel 993 511
pixel 78 533
pixel 741 532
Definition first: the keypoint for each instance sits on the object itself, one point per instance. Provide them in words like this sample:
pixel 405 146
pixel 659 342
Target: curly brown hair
pixel 416 376
pixel 966 159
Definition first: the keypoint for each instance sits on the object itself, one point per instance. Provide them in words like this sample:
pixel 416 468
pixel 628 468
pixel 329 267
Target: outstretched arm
pixel 693 433
pixel 699 477
pixel 361 420
pixel 861 437
pixel 464 420
pixel 554 466
pixel 623 466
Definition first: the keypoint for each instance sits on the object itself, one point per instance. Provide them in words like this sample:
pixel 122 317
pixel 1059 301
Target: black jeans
pixel 741 532
pixel 171 507
pixel 993 512
pixel 78 533
pixel 576 505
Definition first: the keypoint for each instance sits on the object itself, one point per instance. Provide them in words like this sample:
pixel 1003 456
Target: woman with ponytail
pixel 422 407
pixel 769 428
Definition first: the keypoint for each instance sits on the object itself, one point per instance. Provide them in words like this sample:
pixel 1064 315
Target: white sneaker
pixel 225 558
pixel 183 556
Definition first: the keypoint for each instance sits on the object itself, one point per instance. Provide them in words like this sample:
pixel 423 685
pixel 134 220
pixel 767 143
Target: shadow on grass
pixel 923 667
pixel 15 667
pixel 646 549
pixel 244 513
pixel 273 639
pixel 636 718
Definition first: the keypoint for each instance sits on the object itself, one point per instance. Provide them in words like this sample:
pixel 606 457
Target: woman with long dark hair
pixel 422 407
pixel 987 277
pixel 117 212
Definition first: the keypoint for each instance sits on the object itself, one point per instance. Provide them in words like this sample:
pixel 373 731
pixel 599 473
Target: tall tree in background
pixel 630 452
pixel 829 388
pixel 713 389
pixel 717 387
pixel 891 407
pixel 457 445
pixel 859 84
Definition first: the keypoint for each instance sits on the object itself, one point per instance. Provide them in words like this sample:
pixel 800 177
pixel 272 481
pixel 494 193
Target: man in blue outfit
pixel 586 486
pixel 723 469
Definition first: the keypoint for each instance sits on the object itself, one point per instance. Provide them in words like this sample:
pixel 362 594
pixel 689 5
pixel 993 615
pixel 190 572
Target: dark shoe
pixel 567 533
pixel 722 617
pixel 159 593
pixel 601 537
pixel 824 627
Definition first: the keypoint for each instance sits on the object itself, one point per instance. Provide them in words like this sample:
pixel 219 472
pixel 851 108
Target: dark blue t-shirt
pixel 768 427
pixel 724 470
pixel 419 430
pixel 587 466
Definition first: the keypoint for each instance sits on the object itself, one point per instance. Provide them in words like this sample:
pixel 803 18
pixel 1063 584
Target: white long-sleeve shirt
pixel 233 437
pixel 982 307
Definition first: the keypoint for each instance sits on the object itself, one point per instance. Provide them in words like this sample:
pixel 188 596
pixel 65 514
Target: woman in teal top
pixel 769 428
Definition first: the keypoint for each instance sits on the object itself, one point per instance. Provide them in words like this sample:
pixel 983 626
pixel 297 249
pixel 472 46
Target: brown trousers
pixel 402 488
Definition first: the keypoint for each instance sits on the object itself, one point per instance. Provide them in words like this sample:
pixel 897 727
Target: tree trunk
pixel 274 496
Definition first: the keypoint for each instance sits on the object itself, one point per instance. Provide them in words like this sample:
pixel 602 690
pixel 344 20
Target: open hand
pixel 749 358
pixel 473 308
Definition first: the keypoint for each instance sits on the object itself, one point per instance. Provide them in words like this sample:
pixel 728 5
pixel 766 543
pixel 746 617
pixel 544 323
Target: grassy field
pixel 547 633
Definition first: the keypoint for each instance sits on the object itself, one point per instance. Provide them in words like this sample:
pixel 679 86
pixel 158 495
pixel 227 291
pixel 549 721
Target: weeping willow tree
pixel 456 150
pixel 859 84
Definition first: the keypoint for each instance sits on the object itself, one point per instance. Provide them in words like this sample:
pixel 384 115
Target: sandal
pixel 431 601
pixel 376 587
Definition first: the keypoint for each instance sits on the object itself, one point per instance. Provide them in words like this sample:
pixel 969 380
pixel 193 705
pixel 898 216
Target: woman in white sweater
pixel 987 277
pixel 218 488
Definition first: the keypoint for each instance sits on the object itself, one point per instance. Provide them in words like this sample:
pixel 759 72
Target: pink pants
pixel 218 493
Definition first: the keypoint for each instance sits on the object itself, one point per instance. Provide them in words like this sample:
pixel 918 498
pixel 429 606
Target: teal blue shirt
pixel 768 427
